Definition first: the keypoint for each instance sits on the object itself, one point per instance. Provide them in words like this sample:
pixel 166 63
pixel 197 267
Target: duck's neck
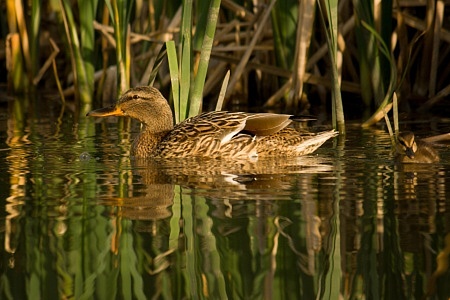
pixel 155 119
pixel 146 143
pixel 155 126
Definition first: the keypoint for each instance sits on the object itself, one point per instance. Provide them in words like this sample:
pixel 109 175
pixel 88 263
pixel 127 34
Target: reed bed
pixel 296 57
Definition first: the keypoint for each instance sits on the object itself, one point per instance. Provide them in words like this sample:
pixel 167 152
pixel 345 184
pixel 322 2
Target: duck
pixel 411 150
pixel 215 134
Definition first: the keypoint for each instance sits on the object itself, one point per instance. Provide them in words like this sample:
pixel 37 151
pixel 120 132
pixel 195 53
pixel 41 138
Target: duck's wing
pixel 202 135
pixel 426 153
pixel 221 133
pixel 263 124
pixel 220 125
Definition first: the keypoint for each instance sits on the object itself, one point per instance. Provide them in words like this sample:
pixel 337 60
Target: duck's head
pixel 406 144
pixel 145 104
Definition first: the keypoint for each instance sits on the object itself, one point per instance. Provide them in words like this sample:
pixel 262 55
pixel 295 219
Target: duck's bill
pixel 105 112
pixel 409 152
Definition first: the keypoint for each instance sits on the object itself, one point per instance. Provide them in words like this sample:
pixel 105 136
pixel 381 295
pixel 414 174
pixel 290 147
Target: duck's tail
pixel 311 144
pixel 289 142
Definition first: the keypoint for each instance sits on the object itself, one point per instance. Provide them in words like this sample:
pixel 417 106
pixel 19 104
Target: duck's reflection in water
pixel 153 185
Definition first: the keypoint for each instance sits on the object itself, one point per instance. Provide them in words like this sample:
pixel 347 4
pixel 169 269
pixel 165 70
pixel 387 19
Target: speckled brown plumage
pixel 410 150
pixel 210 134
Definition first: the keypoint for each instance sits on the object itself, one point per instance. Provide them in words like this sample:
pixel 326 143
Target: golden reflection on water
pixel 345 222
pixel 16 140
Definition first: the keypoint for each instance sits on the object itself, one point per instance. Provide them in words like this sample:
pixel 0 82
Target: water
pixel 82 220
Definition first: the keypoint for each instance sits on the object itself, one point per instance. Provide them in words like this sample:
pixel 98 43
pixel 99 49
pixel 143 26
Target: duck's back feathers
pixel 206 135
pixel 237 134
pixel 263 124
pixel 290 142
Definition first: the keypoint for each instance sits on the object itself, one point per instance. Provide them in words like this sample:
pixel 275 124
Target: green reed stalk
pixel 201 18
pixel 331 11
pixel 87 11
pixel 371 72
pixel 388 97
pixel 185 58
pixel 208 39
pixel 284 25
pixel 386 33
pixel 188 93
pixel 120 11
pixel 35 23
pixel 174 78
pixel 83 89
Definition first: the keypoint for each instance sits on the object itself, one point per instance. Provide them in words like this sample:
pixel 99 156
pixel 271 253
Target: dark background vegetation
pixel 88 52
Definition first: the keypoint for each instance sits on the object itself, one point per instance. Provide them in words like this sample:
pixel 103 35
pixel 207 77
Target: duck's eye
pixel 135 97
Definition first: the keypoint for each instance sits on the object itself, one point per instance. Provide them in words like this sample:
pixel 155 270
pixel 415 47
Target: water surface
pixel 82 220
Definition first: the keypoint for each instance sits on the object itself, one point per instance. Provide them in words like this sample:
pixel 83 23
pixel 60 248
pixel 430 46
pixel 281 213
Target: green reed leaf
pixel 208 39
pixel 174 78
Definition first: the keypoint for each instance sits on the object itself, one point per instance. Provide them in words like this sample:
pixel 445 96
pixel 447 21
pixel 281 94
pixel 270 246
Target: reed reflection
pixel 229 216
pixel 83 219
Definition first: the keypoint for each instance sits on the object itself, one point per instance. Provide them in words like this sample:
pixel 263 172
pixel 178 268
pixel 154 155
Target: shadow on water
pixel 82 220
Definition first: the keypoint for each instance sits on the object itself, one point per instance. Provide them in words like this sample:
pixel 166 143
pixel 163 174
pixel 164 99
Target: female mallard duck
pixel 410 150
pixel 210 134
